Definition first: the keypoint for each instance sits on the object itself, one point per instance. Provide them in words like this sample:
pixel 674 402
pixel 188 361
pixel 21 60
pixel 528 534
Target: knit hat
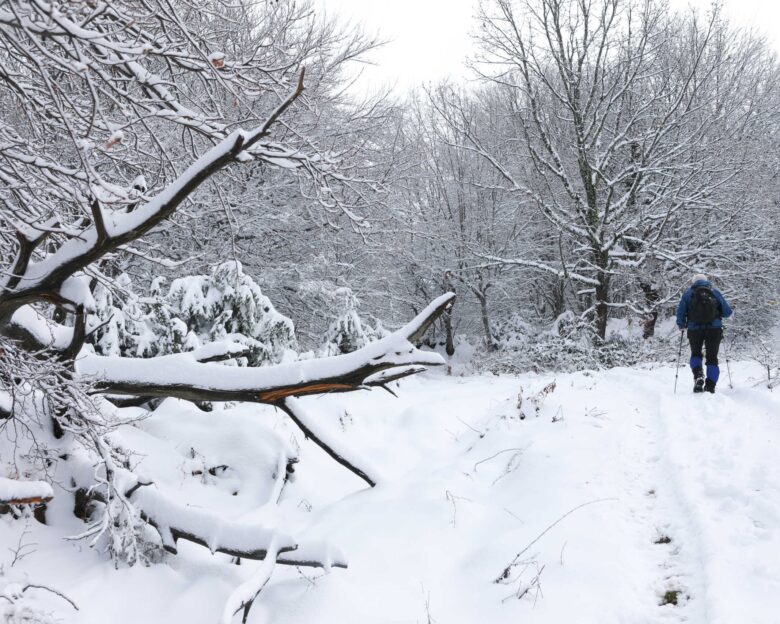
pixel 699 277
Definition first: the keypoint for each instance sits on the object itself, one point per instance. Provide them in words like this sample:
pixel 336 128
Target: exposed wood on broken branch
pixel 375 365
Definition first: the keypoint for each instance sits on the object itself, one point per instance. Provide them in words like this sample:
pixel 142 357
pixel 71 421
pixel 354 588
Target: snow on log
pixel 416 328
pixel 182 376
pixel 314 555
pixel 13 492
pixel 33 331
pixel 174 521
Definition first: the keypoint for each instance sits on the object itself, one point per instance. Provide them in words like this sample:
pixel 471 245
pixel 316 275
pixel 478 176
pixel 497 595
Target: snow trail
pixel 618 495
pixel 724 452
pixel 689 511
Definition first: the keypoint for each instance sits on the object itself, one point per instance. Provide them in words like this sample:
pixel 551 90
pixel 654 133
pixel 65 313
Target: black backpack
pixel 704 308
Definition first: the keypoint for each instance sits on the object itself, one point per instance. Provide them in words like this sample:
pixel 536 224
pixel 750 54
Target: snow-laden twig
pixel 246 593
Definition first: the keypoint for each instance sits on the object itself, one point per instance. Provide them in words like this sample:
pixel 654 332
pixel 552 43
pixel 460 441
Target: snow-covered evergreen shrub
pixel 348 332
pixel 229 305
pixel 110 336
pixel 194 310
pixel 569 344
pixel 512 332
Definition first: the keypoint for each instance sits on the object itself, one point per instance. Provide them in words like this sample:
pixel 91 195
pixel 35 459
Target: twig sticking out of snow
pixel 507 571
pixel 14 591
pixel 494 455
pixel 534 585
pixel 536 400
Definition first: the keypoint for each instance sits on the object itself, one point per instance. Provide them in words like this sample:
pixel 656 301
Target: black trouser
pixel 709 339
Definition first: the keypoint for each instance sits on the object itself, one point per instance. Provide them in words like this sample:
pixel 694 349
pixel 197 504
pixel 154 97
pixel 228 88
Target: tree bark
pixel 651 299
pixel 485 316
pixel 449 340
pixel 602 294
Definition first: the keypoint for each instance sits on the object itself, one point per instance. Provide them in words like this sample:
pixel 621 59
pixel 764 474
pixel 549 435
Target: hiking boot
pixel 698 385
pixel 709 386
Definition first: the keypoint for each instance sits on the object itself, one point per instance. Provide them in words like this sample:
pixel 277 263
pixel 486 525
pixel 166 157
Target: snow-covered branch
pixel 246 593
pixel 308 424
pixel 44 278
pixel 175 521
pixel 14 492
pixel 182 376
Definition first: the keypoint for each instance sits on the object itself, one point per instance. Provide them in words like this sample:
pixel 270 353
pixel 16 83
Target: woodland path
pixel 616 493
pixel 681 498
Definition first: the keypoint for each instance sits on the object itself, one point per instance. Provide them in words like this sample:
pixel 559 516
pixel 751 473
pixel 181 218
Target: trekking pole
pixel 679 355
pixel 728 368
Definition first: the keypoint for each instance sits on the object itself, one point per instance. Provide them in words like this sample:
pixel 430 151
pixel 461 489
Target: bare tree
pixel 628 115
pixel 450 203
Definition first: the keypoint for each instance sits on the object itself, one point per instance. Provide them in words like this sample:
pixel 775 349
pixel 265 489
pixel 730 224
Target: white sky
pixel 430 38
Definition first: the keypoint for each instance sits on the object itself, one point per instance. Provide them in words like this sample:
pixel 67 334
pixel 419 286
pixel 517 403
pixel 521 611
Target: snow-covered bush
pixel 228 305
pixel 512 332
pixel 348 332
pixel 568 344
pixel 195 310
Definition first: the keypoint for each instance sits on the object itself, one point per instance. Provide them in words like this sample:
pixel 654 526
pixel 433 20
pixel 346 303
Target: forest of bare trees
pixel 607 151
pixel 195 205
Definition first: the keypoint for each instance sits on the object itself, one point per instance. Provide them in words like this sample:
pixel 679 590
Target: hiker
pixel 701 310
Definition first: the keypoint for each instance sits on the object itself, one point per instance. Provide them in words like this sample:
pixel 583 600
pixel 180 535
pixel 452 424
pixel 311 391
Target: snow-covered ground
pixel 617 495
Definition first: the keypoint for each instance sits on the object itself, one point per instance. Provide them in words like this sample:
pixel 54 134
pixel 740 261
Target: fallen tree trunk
pixel 14 492
pixel 192 377
pixel 183 376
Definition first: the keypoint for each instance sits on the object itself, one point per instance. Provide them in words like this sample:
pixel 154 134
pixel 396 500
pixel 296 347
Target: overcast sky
pixel 430 38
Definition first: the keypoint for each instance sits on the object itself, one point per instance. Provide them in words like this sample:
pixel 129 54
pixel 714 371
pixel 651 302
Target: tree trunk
pixel 602 293
pixel 602 311
pixel 450 334
pixel 651 298
pixel 483 307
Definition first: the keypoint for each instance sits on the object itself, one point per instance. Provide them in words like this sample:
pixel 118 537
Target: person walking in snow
pixel 702 309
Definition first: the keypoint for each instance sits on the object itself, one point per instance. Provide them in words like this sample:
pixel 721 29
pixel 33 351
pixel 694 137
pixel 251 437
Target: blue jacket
pixel 685 302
